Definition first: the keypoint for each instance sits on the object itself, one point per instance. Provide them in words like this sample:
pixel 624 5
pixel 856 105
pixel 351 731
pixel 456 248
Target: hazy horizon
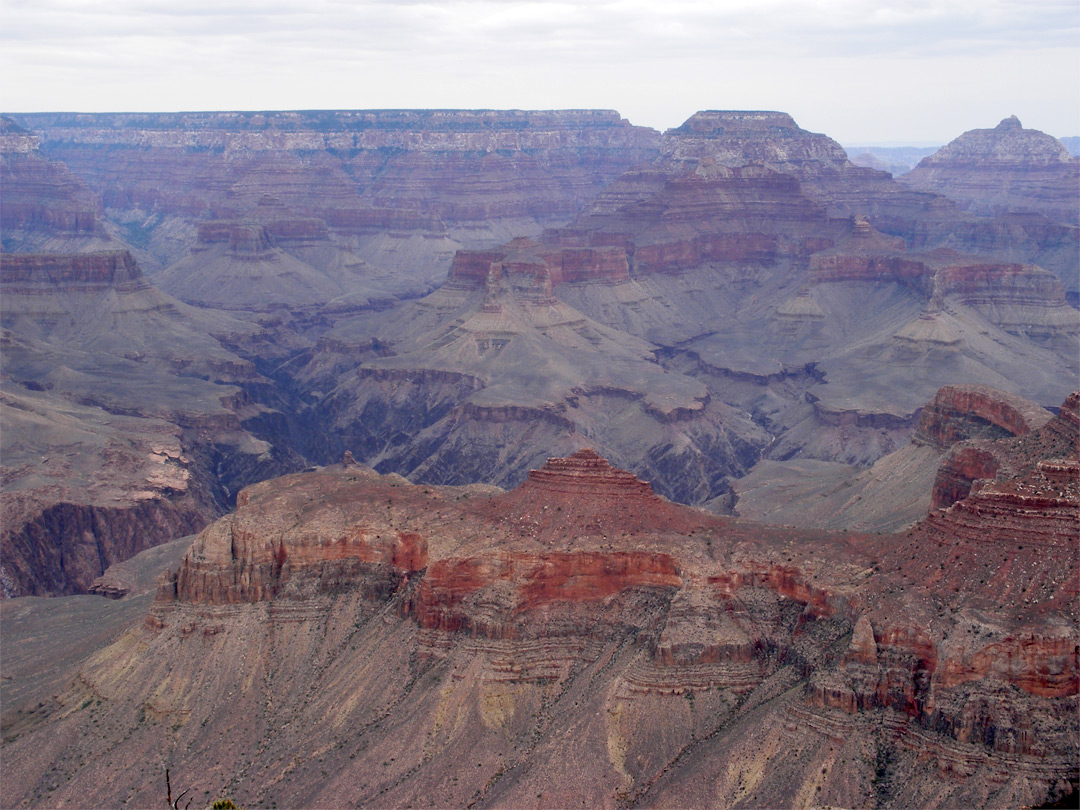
pixel 898 72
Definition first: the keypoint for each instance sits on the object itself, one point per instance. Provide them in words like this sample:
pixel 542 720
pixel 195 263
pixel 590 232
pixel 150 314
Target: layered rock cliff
pixel 731 292
pixel 43 206
pixel 403 187
pixel 345 637
pixel 1025 178
pixel 1006 169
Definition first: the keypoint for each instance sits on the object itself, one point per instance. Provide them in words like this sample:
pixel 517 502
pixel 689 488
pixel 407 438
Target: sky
pixel 862 72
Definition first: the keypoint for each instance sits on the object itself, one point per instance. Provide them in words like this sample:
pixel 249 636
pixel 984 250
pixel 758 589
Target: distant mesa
pixel 1003 170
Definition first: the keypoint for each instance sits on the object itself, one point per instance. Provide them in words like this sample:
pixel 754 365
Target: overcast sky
pixel 860 71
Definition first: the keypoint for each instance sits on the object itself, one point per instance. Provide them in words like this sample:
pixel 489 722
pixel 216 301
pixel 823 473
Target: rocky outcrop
pixel 935 469
pixel 839 267
pixel 1018 298
pixel 65 547
pixel 976 411
pixel 958 471
pixel 512 596
pixel 585 494
pixel 775 141
pixel 968 421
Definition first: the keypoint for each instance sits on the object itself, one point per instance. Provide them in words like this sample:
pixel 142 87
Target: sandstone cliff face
pixel 347 636
pixel 974 411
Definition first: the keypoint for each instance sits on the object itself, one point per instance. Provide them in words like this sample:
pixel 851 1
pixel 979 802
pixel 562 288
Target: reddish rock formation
pixel 830 267
pixel 677 219
pixel 655 652
pixel 958 471
pixel 960 412
pixel 973 416
pixel 586 495
pixel 536 583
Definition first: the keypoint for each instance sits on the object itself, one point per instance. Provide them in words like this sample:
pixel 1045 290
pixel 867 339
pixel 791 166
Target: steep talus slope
pixel 123 419
pixel 350 639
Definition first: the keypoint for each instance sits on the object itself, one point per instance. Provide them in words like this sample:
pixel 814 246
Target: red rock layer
pixel 971 415
pixel 674 220
pixel 584 494
pixel 288 230
pixel 1035 510
pixel 521 586
pixel 257 569
pixel 958 471
pixel 877 269
pixel 773 140
pixel 586 474
pixel 658 222
pixel 529 263
pixel 716 611
pixel 957 411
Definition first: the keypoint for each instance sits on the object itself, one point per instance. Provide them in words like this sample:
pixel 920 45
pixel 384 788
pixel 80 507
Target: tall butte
pixel 586 495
